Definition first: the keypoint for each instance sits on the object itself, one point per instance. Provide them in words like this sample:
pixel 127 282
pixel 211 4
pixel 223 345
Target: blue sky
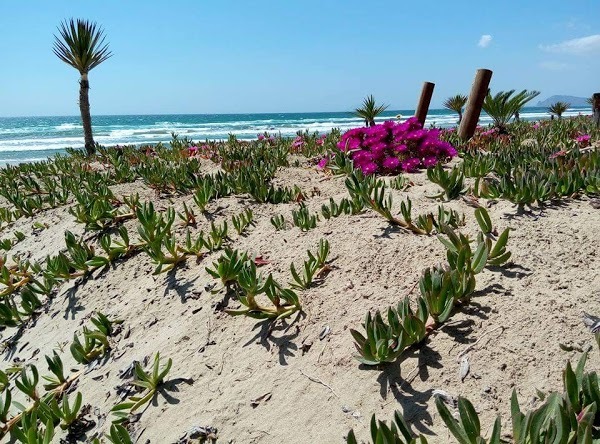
pixel 291 56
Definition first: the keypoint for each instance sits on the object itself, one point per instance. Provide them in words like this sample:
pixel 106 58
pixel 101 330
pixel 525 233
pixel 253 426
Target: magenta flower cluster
pixel 299 141
pixel 489 132
pixel 392 147
pixel 583 139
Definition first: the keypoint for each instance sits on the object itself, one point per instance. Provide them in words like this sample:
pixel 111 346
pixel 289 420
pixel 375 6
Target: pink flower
pixel 392 145
pixel 584 138
pixel 298 142
pixel 410 165
pixel 391 163
pixel 261 137
pixel 430 161
pixel 560 153
pixel 369 168
pixel 489 132
pixel 323 162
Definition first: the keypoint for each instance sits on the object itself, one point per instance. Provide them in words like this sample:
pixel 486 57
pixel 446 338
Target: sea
pixel 29 139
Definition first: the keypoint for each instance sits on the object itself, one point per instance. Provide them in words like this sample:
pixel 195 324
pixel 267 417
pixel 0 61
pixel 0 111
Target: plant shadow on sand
pixel 413 402
pixel 73 302
pixel 168 388
pixel 183 289
pixel 281 339
pixel 388 230
pixel 512 271
pixel 535 213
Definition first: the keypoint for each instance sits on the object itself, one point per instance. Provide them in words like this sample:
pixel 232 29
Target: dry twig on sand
pixel 472 346
pixel 318 381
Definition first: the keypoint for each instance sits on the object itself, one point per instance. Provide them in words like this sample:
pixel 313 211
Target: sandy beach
pixel 296 380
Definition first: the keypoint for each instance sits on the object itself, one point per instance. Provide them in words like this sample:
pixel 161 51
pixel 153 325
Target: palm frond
pixel 80 44
pixel 558 108
pixel 455 103
pixel 369 110
pixel 504 105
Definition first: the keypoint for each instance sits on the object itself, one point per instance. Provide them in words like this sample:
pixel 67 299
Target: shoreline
pixel 63 132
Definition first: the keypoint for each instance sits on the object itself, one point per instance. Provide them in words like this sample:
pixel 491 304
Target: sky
pixel 230 56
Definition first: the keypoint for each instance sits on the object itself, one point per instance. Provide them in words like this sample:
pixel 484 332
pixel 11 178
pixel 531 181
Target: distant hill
pixel 574 101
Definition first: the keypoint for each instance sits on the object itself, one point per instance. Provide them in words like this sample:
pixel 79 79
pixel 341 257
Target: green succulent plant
pixel 66 412
pixel 385 342
pixel 303 219
pixel 398 432
pixel 149 382
pixel 452 183
pixel 242 221
pixel 278 222
pixel 228 267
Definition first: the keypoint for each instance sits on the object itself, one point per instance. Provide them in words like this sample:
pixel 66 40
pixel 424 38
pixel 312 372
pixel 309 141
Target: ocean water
pixel 27 139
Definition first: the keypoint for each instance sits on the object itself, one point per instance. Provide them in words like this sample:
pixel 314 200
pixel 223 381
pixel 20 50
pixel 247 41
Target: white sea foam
pixel 67 126
pixel 27 139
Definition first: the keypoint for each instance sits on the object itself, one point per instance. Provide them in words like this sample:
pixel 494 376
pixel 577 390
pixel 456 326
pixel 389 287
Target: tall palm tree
pixel 504 105
pixel 369 110
pixel 80 44
pixel 456 103
pixel 558 108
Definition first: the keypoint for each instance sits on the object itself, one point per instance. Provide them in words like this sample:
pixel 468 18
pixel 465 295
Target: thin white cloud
pixel 485 41
pixel 581 46
pixel 552 65
pixel 576 24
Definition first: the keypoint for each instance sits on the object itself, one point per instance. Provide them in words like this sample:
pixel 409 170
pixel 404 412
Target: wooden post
pixel 596 108
pixel 474 104
pixel 424 101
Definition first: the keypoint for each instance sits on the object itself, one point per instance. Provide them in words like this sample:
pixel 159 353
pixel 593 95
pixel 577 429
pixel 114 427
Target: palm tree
pixel 456 103
pixel 80 44
pixel 590 100
pixel 369 110
pixel 558 108
pixel 504 105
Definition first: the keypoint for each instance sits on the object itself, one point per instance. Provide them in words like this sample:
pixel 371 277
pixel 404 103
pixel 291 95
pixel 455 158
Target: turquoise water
pixel 26 139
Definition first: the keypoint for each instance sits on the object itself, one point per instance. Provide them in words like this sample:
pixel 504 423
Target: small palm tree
pixel 80 44
pixel 456 103
pixel 504 105
pixel 590 100
pixel 558 108
pixel 369 110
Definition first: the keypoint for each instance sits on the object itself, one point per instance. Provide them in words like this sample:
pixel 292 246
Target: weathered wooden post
pixel 424 101
pixel 474 104
pixel 596 108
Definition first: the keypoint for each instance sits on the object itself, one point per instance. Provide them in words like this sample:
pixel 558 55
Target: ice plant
pixel 583 140
pixel 323 162
pixel 392 147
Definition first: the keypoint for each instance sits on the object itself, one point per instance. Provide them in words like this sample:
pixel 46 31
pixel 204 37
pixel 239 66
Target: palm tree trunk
pixel 371 122
pixel 86 118
pixel 459 116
